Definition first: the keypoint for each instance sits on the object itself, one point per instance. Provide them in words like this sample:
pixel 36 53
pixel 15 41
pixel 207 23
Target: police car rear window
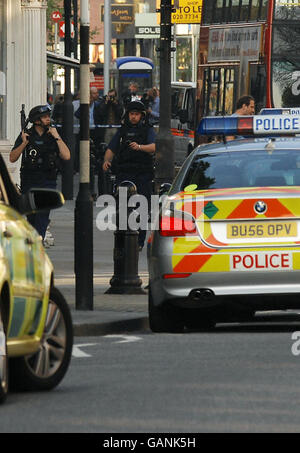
pixel 240 169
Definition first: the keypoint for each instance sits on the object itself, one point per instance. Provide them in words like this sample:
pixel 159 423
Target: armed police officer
pixel 134 147
pixel 42 149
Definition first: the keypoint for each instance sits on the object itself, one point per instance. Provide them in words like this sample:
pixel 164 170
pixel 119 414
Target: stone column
pixel 35 60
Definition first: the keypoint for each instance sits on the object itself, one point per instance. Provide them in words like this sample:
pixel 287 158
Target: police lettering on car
pixel 42 150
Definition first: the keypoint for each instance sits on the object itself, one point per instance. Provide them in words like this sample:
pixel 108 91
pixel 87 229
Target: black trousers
pixel 40 220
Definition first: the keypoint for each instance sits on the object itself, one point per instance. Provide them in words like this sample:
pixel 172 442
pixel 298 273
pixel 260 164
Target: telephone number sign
pixel 188 12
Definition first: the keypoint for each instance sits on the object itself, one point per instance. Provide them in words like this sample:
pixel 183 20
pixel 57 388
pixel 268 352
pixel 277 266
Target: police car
pixel 227 242
pixel 36 333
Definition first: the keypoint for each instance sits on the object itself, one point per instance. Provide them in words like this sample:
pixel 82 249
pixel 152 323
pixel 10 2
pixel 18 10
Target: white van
pixel 183 119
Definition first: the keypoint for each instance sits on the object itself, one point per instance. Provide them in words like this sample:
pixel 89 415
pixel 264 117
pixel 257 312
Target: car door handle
pixel 7 234
pixel 29 241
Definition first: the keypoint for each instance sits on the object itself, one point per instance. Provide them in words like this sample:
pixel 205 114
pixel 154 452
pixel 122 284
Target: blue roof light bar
pixel 250 125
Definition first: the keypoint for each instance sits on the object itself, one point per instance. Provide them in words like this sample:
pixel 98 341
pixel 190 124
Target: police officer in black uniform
pixel 41 148
pixel 134 147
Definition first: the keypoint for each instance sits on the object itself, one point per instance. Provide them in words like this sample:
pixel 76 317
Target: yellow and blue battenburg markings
pixel 267 124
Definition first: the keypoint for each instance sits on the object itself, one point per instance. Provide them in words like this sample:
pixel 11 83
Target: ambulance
pixel 227 241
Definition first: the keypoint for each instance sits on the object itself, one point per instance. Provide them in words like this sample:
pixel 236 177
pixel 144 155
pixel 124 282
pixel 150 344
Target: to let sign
pixel 188 12
pixel 56 16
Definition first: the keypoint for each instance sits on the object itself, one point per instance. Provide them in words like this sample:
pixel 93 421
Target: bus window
pixel 258 84
pixel 245 10
pixel 289 10
pixel 254 12
pixel 263 10
pixel 235 6
pixel 229 92
pixel 218 11
pixel 219 93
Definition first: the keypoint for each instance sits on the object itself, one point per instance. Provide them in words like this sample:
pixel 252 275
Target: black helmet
pixel 37 111
pixel 136 106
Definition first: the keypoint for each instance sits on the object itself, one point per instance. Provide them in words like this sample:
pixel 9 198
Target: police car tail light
pixel 177 224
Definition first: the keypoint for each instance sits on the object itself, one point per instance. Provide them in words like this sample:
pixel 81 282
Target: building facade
pixel 23 75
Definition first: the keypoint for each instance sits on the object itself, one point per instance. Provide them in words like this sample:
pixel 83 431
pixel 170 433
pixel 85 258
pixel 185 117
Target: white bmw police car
pixel 228 238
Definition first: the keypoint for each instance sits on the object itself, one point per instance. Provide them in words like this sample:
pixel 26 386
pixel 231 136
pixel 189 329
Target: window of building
pixel 230 11
pixel 2 69
pixel 219 96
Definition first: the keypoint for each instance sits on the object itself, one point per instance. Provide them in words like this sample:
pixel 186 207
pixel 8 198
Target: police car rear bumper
pixel 199 290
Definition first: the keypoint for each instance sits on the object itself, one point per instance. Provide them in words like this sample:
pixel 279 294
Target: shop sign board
pixel 146 26
pixel 188 12
pixel 120 14
pixel 234 43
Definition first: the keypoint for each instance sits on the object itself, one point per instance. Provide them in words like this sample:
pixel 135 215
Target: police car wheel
pixel 3 359
pixel 46 368
pixel 164 318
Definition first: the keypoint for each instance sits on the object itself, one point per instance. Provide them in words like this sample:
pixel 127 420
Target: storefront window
pixel 2 69
pixel 184 58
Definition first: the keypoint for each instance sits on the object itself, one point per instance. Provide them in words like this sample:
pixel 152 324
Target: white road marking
pixel 124 338
pixel 76 352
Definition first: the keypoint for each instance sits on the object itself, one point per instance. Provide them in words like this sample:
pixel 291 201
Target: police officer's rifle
pixel 24 121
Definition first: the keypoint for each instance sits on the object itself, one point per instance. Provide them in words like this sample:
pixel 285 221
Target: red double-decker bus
pixel 248 47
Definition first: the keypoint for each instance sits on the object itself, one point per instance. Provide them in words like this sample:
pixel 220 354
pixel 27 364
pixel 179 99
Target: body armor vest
pixel 130 160
pixel 41 155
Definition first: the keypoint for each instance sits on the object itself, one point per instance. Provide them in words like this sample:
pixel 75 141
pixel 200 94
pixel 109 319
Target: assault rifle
pixel 24 121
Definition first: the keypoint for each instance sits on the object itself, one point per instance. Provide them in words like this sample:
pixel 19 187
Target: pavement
pixel 112 313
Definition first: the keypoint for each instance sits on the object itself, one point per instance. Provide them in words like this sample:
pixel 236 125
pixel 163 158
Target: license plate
pixel 261 230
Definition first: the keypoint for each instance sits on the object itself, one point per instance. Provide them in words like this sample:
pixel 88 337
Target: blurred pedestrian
pixel 96 134
pixel 153 109
pixel 131 94
pixel 245 106
pixel 57 111
pixel 111 112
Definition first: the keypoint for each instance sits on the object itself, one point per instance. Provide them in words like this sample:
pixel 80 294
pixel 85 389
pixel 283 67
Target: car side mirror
pixel 36 200
pixel 183 116
pixel 164 188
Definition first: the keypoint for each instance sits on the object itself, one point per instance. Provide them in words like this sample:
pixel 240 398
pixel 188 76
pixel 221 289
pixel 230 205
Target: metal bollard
pixel 126 254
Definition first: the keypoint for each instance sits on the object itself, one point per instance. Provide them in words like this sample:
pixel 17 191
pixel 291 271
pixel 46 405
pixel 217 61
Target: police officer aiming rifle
pixel 134 147
pixel 42 150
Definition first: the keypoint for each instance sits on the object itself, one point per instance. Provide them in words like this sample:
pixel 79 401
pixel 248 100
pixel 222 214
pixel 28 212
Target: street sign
pixel 188 12
pixel 56 16
pixel 61 29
